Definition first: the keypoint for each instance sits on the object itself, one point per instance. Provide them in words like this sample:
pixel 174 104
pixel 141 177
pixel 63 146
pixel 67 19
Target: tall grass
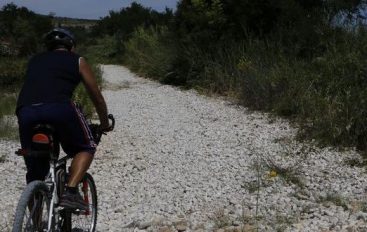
pixel 149 53
pixel 104 50
pixel 12 72
pixel 326 94
pixel 7 124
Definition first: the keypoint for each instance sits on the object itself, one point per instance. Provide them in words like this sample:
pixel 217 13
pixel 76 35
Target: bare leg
pixel 79 167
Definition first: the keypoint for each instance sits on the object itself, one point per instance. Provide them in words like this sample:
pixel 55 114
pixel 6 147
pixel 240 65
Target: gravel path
pixel 179 161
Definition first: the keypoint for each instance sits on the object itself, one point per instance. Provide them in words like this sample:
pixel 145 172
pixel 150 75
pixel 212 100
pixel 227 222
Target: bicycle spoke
pixel 28 225
pixel 32 213
pixel 85 220
pixel 33 208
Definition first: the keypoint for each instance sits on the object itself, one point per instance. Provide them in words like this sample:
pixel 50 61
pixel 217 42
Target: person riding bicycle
pixel 45 97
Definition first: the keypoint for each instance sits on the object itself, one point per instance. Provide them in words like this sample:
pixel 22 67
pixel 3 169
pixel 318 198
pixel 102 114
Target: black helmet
pixel 59 38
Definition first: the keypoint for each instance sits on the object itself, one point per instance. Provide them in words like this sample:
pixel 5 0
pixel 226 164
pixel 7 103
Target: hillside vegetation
pixel 305 60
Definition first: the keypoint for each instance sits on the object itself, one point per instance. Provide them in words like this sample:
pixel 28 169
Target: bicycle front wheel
pixel 33 208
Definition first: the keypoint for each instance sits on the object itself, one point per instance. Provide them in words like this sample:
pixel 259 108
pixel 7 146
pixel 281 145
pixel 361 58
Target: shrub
pixel 12 71
pixel 294 58
pixel 7 107
pixel 102 50
pixel 148 52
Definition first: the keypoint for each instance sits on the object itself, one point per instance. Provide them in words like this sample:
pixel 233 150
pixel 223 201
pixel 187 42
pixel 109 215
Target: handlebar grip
pixel 110 116
pixel 96 129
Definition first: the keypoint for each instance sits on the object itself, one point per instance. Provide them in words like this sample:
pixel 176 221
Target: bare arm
pixel 95 94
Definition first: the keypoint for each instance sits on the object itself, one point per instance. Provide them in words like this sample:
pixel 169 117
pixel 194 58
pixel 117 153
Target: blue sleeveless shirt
pixel 51 77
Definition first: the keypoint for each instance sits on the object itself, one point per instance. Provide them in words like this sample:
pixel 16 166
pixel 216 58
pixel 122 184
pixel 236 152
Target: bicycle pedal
pixel 21 152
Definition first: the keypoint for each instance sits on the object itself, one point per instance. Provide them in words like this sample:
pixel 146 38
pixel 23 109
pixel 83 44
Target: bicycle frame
pixel 53 186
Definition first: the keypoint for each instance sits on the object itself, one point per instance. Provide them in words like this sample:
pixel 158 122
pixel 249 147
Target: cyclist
pixel 45 97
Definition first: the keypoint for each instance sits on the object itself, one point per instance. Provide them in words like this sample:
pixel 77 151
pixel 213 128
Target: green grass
pixel 12 71
pixel 8 127
pixel 148 53
pixel 106 50
pixel 325 94
pixel 7 103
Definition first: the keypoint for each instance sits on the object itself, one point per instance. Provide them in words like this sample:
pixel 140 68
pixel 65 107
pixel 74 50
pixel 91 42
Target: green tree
pixel 23 28
pixel 124 22
pixel 300 25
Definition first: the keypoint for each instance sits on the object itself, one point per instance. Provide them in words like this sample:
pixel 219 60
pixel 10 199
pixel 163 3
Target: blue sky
pixel 87 9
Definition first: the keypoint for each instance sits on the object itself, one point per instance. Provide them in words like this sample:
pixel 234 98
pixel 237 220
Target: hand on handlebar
pixel 109 127
pixel 99 130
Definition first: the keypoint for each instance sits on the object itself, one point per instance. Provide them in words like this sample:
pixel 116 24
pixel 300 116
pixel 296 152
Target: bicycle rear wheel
pixel 33 208
pixel 84 220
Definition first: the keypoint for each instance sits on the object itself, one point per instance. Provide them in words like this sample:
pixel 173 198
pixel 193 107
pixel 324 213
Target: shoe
pixel 73 201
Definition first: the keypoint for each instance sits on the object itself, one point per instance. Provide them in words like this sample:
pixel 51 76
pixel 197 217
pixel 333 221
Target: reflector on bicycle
pixel 40 138
pixel 41 142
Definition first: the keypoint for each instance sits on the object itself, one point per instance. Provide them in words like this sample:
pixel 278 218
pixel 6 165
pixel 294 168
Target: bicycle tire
pixel 29 194
pixel 76 218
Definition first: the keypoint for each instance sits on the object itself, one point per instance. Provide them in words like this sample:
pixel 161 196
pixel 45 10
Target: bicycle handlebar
pixel 97 132
pixel 110 117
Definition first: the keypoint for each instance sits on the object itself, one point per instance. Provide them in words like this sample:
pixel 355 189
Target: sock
pixel 72 190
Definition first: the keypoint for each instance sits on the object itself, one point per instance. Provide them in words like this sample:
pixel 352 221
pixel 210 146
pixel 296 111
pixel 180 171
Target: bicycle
pixel 38 207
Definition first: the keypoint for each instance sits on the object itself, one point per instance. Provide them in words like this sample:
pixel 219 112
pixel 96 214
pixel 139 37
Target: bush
pixel 326 95
pixel 12 71
pixel 298 59
pixel 339 85
pixel 7 107
pixel 21 28
pixel 148 52
pixel 104 50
